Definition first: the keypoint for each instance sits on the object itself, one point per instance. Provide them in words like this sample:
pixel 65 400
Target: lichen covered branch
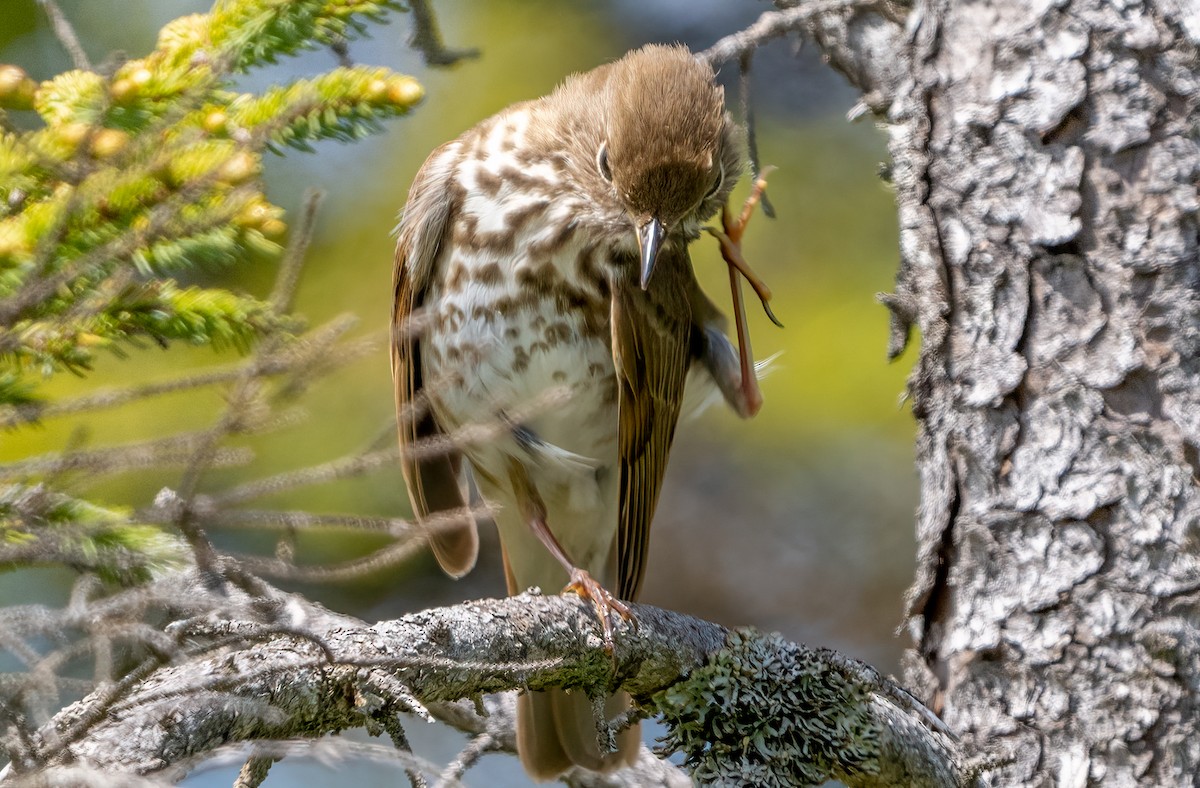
pixel 764 708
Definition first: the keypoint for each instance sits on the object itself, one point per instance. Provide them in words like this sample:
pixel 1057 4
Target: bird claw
pixel 730 239
pixel 603 602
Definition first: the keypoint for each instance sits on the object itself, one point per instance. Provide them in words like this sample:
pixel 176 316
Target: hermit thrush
pixel 546 321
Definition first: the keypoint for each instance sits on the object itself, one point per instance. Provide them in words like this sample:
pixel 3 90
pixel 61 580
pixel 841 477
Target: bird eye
pixel 602 163
pixel 716 187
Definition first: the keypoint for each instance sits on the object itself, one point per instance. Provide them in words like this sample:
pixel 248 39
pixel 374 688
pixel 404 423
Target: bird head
pixel 668 152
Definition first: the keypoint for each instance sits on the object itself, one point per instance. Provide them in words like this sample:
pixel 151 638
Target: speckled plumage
pixel 559 377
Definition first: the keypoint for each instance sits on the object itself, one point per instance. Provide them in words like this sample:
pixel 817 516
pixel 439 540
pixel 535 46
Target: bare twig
pixel 244 392
pixel 341 50
pixel 254 771
pixel 427 38
pixel 293 259
pixel 310 352
pixel 300 520
pixel 341 468
pixel 476 748
pixel 65 34
pixel 173 450
pixel 744 91
pixel 395 731
pixel 772 25
pixel 389 556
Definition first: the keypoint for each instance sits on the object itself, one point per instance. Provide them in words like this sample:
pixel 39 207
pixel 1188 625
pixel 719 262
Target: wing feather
pixel 433 479
pixel 651 353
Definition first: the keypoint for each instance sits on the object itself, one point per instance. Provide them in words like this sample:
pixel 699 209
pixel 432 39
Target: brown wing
pixel 651 332
pixel 433 480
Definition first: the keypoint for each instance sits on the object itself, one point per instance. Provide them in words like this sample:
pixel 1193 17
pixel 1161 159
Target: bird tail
pixel 556 731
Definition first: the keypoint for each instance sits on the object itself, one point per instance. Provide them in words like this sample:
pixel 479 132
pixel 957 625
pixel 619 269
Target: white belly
pixel 515 378
pixel 504 357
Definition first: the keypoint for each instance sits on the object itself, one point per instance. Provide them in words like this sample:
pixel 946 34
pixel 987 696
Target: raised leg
pixel 533 511
pixel 730 237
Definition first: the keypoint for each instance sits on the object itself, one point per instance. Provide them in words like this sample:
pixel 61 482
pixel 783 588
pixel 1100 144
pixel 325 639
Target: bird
pixel 546 323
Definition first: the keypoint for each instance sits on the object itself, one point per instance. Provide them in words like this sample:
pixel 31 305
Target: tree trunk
pixel 1046 163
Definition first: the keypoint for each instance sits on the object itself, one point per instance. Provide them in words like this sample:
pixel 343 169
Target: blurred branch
pixel 852 724
pixel 341 468
pixel 65 34
pixel 748 117
pixel 288 277
pixel 427 38
pixel 740 47
pixel 254 771
pixel 295 520
pixel 771 25
pixel 281 569
pixel 171 450
pixel 247 387
pixel 303 355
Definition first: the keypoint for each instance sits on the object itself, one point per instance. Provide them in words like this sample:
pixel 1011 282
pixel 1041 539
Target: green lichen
pixel 764 712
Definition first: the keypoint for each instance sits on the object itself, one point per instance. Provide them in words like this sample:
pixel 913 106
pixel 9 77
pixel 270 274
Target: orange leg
pixel 730 238
pixel 533 510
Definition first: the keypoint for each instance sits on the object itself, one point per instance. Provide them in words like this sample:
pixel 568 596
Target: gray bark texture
pixel 1046 159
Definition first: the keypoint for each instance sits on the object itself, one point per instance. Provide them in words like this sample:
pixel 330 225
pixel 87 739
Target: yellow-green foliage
pixel 154 170
pixel 128 177
pixel 41 527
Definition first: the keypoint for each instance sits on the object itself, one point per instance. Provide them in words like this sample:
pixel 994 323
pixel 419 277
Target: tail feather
pixel 537 738
pixel 556 731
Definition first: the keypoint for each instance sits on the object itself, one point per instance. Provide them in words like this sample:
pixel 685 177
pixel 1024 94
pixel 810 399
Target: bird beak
pixel 650 237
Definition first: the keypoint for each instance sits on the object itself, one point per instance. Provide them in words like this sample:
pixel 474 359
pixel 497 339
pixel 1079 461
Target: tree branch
pixel 818 714
pixel 428 39
pixel 771 25
pixel 65 33
pixel 864 39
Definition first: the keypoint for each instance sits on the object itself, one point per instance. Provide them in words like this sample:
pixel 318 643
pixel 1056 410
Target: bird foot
pixel 603 602
pixel 749 394
pixel 730 239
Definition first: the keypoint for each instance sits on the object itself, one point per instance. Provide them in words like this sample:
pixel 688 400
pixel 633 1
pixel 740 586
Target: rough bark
pixel 1045 158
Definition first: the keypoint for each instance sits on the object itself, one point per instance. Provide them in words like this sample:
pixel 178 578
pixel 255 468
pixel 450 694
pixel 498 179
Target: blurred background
pixel 798 521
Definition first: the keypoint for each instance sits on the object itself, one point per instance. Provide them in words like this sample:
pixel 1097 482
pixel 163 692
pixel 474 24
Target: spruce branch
pixel 154 169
